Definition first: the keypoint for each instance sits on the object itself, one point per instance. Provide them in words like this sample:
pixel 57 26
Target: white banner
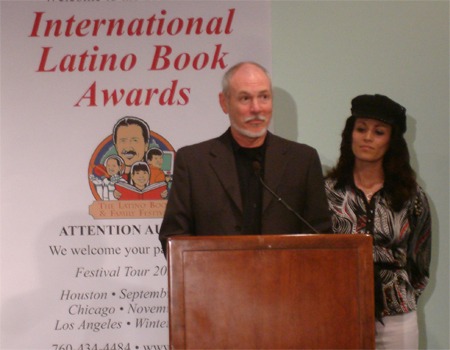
pixel 83 189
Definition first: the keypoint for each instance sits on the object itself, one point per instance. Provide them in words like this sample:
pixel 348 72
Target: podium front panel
pixel 271 292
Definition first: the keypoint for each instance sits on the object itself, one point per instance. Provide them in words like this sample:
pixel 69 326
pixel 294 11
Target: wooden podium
pixel 271 292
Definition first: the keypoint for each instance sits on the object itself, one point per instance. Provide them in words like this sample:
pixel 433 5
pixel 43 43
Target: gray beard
pixel 247 133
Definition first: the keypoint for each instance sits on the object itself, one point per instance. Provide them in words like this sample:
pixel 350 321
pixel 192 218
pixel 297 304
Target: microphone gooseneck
pixel 257 170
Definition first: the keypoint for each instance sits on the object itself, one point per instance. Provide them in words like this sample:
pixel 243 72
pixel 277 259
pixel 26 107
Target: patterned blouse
pixel 402 240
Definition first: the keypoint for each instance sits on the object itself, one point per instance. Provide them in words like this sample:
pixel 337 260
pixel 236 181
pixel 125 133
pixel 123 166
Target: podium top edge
pixel 358 236
pixel 272 241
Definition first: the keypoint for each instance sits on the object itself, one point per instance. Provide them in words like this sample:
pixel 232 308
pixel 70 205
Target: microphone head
pixel 256 167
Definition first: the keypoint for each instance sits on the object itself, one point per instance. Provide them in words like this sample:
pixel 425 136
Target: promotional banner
pixel 96 98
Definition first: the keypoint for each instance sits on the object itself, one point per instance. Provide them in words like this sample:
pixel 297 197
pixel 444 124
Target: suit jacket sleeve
pixel 178 214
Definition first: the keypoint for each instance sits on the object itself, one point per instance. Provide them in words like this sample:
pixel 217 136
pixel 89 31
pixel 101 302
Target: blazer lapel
pixel 223 163
pixel 275 164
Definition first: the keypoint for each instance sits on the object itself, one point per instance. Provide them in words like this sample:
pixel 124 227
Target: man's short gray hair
pixel 230 72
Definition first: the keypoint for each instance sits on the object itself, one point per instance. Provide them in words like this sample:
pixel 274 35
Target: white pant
pixel 398 332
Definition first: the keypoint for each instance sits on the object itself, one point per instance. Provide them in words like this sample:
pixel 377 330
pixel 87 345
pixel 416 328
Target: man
pixel 216 184
pixel 131 138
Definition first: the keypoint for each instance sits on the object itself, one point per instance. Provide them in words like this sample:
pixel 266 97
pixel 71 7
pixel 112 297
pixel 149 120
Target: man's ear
pixel 223 102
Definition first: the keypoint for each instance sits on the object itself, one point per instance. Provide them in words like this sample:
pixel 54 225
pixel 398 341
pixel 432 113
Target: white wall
pixel 327 52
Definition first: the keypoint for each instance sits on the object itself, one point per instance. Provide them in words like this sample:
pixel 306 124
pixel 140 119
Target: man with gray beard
pixel 247 181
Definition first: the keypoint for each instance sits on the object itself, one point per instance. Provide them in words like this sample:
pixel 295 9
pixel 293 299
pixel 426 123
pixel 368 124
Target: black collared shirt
pixel 250 185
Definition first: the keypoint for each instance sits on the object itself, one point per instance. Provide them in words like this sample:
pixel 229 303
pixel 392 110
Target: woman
pixel 373 190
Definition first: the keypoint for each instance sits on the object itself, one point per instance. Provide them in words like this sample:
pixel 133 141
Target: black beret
pixel 381 108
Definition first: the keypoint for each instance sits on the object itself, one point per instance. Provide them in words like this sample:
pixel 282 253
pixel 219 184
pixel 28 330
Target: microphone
pixel 257 169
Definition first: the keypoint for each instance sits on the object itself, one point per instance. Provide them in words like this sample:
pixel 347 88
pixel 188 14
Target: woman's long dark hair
pixel 399 178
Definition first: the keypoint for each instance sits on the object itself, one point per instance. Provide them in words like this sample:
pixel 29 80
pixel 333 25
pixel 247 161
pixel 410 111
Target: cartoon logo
pixel 130 172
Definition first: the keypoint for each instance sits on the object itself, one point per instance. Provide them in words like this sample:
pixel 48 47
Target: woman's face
pixel 370 140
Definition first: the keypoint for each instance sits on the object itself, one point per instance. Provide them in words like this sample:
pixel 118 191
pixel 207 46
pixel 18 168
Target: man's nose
pixel 255 105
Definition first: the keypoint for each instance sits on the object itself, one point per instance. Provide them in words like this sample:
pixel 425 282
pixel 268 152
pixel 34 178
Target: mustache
pixel 128 152
pixel 255 117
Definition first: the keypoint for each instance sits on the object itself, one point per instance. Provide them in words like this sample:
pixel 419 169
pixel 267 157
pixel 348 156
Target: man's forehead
pixel 132 128
pixel 253 91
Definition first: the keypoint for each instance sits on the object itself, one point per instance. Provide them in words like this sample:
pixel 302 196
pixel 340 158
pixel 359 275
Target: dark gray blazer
pixel 205 198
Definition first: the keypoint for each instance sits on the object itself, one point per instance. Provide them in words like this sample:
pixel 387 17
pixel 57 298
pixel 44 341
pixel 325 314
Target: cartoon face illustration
pixel 155 158
pixel 131 137
pixel 113 165
pixel 140 175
